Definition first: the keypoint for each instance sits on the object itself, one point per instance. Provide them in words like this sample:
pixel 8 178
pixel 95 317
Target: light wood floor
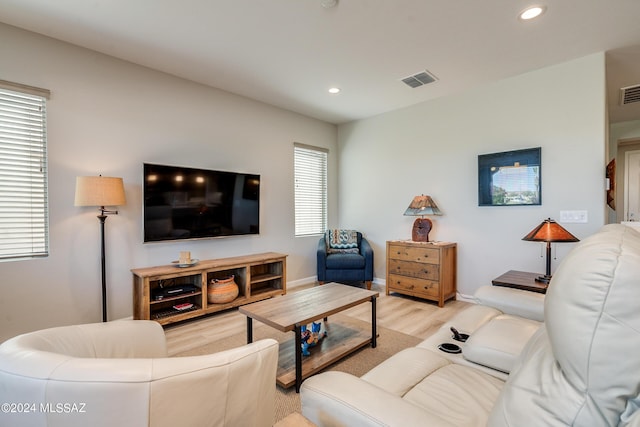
pixel 408 315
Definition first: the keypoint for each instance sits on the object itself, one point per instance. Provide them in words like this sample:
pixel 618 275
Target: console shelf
pixel 258 277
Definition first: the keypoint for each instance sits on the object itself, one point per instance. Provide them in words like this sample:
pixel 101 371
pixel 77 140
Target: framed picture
pixel 510 178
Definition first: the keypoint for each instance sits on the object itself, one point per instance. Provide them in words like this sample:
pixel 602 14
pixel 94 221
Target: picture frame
pixel 510 178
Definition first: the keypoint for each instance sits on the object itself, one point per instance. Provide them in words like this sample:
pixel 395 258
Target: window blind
pixel 24 228
pixel 310 190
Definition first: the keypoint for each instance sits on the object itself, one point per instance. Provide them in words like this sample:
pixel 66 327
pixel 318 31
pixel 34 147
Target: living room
pixel 109 116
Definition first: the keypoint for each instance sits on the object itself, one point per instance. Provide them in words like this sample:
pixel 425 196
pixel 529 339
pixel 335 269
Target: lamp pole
pixel 102 217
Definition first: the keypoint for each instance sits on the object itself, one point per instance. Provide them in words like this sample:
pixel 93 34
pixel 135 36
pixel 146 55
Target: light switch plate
pixel 574 216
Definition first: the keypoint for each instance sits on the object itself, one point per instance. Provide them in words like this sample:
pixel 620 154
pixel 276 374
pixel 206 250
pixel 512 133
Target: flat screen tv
pixel 185 203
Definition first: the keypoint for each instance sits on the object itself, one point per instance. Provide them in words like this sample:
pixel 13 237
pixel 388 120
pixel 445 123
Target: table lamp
pixel 421 206
pixel 549 231
pixel 100 191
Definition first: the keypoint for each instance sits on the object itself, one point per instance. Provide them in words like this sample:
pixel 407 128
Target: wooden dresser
pixel 422 269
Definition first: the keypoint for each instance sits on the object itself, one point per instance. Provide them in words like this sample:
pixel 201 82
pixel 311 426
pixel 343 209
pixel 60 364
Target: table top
pixel 302 307
pixel 521 280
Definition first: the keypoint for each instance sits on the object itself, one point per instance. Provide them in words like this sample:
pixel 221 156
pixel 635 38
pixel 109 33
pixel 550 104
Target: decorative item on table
pixel 421 206
pixel 222 291
pixel 311 337
pixel 100 191
pixel 185 260
pixel 549 231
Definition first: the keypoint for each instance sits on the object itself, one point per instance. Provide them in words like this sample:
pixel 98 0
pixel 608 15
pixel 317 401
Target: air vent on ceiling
pixel 420 79
pixel 629 94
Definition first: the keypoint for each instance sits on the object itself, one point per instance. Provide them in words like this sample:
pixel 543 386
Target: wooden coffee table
pixel 290 312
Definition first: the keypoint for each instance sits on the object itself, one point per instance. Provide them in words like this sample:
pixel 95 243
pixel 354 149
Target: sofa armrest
pixel 234 387
pixel 367 252
pixel 516 302
pixel 339 399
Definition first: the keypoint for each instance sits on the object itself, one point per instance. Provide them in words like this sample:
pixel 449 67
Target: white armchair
pixel 118 374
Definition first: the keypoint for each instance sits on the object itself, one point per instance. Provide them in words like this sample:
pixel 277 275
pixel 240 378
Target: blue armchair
pixel 345 265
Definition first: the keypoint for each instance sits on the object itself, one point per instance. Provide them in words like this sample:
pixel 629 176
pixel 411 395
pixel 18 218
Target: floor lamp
pixel 100 191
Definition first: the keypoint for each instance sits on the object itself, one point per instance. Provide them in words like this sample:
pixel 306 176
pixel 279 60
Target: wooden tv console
pixel 258 277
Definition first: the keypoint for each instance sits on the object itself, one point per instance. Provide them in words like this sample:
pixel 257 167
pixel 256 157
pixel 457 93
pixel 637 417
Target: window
pixel 23 172
pixel 310 189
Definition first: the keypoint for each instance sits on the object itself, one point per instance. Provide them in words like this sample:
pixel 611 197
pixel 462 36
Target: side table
pixel 521 280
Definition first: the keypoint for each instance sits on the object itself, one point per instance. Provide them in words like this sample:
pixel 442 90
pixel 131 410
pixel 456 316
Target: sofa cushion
pixel 460 394
pixel 345 262
pixel 581 368
pixel 402 371
pixel 498 343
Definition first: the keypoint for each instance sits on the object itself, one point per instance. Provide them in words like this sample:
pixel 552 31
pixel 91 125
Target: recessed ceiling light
pixel 531 12
pixel 334 90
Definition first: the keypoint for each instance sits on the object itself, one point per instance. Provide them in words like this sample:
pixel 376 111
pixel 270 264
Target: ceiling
pixel 288 53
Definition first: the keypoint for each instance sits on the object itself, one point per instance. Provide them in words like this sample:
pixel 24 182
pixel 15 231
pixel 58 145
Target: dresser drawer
pixel 413 286
pixel 413 253
pixel 414 269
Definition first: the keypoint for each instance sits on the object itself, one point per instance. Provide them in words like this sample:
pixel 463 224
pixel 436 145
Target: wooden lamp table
pixel 521 280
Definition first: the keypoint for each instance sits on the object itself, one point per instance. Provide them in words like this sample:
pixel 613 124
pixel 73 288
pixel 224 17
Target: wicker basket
pixel 222 291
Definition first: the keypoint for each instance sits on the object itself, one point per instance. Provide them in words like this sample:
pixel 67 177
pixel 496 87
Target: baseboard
pixel 301 282
pixel 314 279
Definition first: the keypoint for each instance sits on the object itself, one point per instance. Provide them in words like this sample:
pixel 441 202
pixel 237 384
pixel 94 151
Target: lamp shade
pixel 99 191
pixel 422 205
pixel 550 231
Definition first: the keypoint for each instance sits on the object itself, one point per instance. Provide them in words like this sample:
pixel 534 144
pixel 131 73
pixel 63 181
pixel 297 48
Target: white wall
pixel 432 148
pixel 107 117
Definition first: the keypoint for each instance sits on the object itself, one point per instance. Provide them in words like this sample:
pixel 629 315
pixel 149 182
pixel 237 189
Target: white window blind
pixel 23 172
pixel 310 189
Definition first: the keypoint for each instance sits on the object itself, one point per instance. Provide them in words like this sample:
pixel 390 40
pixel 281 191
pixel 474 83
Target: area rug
pixel 358 363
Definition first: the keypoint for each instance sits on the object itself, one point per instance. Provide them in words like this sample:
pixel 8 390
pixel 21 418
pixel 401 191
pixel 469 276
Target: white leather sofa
pixel 580 367
pixel 118 374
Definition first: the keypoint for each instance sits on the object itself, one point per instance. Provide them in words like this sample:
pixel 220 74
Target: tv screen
pixel 186 203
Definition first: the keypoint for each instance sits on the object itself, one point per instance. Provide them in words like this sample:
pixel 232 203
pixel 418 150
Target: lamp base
pixel 543 279
pixel 421 229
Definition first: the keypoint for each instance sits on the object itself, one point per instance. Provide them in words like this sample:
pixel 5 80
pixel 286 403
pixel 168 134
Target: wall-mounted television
pixel 183 203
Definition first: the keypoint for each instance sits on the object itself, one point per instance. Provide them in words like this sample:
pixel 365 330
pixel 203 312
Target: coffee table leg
pixel 249 330
pixel 298 349
pixel 374 332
